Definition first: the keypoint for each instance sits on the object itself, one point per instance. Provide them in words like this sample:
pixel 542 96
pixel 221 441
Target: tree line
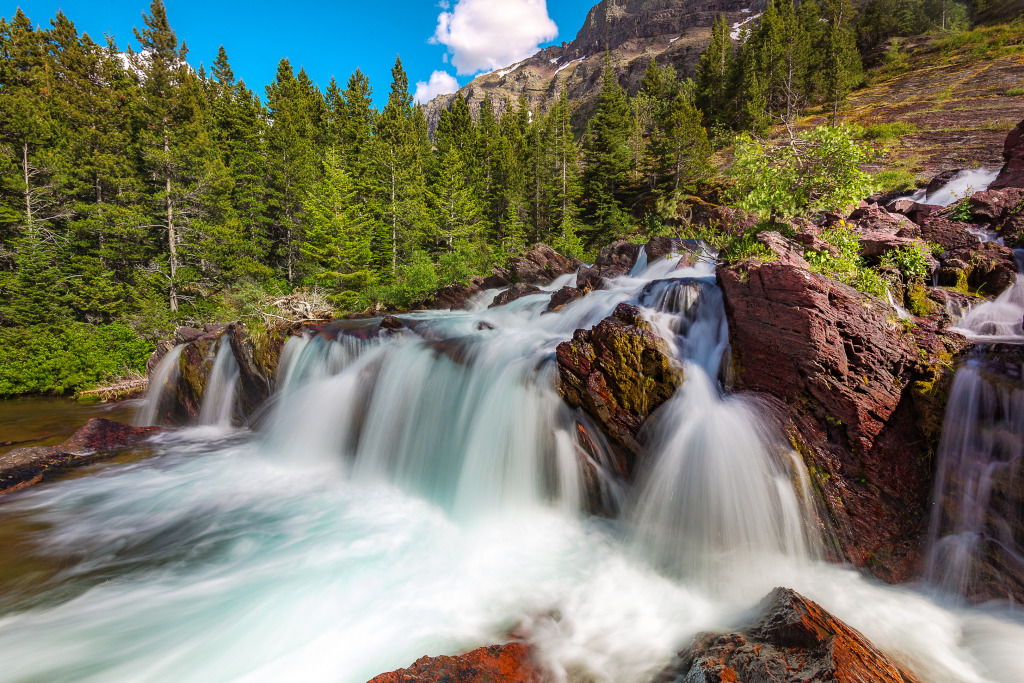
pixel 135 188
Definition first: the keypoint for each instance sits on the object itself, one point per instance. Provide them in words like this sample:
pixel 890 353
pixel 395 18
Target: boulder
pixel 618 372
pixel 615 260
pixel 874 218
pixel 844 368
pixel 540 265
pixel 563 297
pixel 450 297
pixel 992 206
pixel 1012 174
pixel 915 211
pixel 988 267
pixel 948 234
pixel 184 335
pixel 505 663
pixel 517 291
pixel 98 438
pixel 793 640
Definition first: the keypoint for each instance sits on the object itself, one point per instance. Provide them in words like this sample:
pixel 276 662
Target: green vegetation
pixel 817 170
pixel 1014 92
pixel 847 266
pixel 40 359
pixel 911 261
pixel 889 131
pixel 895 179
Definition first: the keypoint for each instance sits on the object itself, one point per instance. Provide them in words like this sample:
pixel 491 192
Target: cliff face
pixel 632 31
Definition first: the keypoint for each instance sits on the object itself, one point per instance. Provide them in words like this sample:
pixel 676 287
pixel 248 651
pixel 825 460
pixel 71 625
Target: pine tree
pixel 713 75
pixel 606 158
pixel 842 66
pixel 683 150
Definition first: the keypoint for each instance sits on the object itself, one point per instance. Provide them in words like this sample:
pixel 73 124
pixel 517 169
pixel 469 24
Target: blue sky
pixel 334 38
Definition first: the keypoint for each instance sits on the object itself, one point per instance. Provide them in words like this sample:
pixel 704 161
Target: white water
pixel 219 396
pixel 410 498
pixel 157 395
pixel 982 441
pixel 1002 318
pixel 963 184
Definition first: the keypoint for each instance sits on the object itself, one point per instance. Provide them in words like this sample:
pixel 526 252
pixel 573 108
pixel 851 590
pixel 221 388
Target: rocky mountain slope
pixel 632 31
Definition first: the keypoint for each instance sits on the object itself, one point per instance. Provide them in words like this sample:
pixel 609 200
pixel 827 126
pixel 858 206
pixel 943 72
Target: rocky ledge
pixel 793 640
pixel 861 391
pixel 97 439
pixel 505 663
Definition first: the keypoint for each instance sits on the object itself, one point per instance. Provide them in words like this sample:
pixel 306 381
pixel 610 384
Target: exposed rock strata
pixel 1012 174
pixel 98 438
pixel 864 394
pixel 794 640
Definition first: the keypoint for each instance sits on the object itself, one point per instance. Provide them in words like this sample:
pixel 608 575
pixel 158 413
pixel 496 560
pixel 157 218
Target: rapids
pixel 422 495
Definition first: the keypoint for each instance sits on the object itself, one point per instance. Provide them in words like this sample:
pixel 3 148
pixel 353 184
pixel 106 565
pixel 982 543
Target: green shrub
pixel 58 360
pixel 889 131
pixel 847 266
pixel 413 281
pixel 818 170
pixel 911 260
pixel 1014 92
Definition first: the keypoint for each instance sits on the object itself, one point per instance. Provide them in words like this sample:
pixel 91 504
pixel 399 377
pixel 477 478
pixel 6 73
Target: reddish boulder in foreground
pixel 1012 174
pixel 492 664
pixel 618 372
pixel 862 394
pixel 98 437
pixel 794 640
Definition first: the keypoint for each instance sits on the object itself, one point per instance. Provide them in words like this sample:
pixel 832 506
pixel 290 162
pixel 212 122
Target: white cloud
pixel 440 83
pixel 484 35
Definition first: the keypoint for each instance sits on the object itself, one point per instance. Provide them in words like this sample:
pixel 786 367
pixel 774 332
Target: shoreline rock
pixel 508 663
pixel 98 438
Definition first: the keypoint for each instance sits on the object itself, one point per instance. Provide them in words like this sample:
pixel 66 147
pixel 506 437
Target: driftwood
pixel 124 388
pixel 306 305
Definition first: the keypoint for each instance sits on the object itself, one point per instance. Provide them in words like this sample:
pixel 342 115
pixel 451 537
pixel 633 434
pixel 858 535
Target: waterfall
pixel 1001 319
pixel 221 387
pixel 963 184
pixel 717 490
pixel 980 458
pixel 162 387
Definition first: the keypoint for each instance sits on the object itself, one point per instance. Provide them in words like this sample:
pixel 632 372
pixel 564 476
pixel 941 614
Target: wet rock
pixel 98 438
pixel 793 640
pixel 484 325
pixel 541 265
pixel 941 180
pixel 390 322
pixel 517 291
pixel 618 372
pixel 841 363
pixel 1012 174
pixel 660 247
pixel 563 297
pixel 505 663
pixel 988 267
pixel 162 348
pixel 590 279
pixel 615 260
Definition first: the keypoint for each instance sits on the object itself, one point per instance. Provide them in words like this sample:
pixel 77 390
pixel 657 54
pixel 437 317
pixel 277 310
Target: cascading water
pixel 980 457
pixel 160 393
pixel 420 495
pixel 963 184
pixel 999 320
pixel 221 388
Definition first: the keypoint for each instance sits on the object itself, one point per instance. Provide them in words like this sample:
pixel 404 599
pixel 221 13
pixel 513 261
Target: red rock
pixel 619 372
pixel 564 296
pixel 948 234
pixel 517 291
pixel 846 372
pixel 990 267
pixel 616 260
pixel 390 322
pixel 992 206
pixel 794 640
pixel 98 437
pixel 1012 174
pixel 493 664
pixel 876 218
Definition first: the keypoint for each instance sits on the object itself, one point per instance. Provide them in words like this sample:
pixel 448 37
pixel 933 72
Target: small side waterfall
pixel 976 524
pixel 220 393
pixel 161 388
